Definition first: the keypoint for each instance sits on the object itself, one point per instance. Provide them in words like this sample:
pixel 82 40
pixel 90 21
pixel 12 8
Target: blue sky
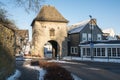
pixel 107 12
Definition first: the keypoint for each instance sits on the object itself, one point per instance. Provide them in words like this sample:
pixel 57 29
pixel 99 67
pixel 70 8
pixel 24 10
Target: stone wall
pixel 41 35
pixel 7 59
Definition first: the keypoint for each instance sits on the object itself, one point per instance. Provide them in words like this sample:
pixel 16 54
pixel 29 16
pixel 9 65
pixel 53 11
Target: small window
pixel 103 51
pixel 84 52
pixel 88 51
pixel 94 51
pixel 74 50
pixel 114 52
pixel 52 32
pixel 118 52
pixel 89 37
pixel 99 37
pixel 84 37
pixel 109 51
pixel 98 52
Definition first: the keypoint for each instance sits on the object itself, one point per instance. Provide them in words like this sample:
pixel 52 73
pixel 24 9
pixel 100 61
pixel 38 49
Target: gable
pixel 76 28
pixel 83 26
pixel 49 13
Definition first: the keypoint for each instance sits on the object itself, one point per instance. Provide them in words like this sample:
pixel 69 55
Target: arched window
pixel 52 32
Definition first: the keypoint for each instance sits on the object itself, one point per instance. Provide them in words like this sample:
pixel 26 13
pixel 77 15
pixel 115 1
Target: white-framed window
pixel 89 37
pixel 118 52
pixel 94 51
pixel 84 52
pixel 98 52
pixel 109 51
pixel 99 37
pixel 113 52
pixel 103 51
pixel 88 51
pixel 74 50
pixel 84 36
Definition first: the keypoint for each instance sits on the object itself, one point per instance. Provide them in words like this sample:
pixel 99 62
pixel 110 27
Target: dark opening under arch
pixel 55 49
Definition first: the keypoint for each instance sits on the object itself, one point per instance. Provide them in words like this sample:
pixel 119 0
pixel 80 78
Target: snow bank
pixel 41 70
pixel 94 59
pixel 15 76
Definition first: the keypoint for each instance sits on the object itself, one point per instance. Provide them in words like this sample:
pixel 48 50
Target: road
pixel 94 70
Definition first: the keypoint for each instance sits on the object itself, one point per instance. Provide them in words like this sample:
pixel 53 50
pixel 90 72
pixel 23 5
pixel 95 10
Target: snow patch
pixel 15 76
pixel 75 77
pixel 22 59
pixel 41 70
pixel 89 59
pixel 41 74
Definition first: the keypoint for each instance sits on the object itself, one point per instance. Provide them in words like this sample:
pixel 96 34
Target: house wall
pixel 76 38
pixel 7 59
pixel 108 51
pixel 87 30
pixel 74 42
pixel 41 35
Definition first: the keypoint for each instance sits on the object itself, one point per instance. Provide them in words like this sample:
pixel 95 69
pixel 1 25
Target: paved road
pixel 94 70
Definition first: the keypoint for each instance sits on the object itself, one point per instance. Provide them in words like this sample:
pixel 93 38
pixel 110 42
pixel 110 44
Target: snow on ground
pixel 42 71
pixel 94 59
pixel 22 59
pixel 76 77
pixel 15 76
pixel 60 61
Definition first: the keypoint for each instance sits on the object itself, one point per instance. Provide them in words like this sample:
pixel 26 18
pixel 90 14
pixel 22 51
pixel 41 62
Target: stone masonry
pixel 49 25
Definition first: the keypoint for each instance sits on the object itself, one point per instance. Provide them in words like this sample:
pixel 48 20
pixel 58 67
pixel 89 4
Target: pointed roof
pixel 76 28
pixel 49 13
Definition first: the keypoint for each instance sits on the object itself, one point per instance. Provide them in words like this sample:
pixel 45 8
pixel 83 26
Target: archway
pixel 51 49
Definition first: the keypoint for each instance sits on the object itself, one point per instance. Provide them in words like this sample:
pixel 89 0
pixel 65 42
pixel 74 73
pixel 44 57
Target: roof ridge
pixel 50 13
pixel 79 24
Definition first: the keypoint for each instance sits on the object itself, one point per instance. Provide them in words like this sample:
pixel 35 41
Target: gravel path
pixel 26 73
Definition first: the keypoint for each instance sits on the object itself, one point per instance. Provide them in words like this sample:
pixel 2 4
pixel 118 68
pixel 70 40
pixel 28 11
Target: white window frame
pixel 99 37
pixel 74 50
pixel 84 36
pixel 89 37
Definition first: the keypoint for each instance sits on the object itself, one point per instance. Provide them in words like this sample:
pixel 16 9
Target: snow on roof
pixel 110 31
pixel 75 28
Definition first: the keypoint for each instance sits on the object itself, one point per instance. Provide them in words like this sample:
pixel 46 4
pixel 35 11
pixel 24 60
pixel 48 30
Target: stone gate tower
pixel 49 26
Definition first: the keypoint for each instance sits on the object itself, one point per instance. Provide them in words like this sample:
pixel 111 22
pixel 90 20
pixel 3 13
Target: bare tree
pixel 28 5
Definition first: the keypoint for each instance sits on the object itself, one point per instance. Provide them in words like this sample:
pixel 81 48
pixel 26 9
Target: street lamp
pixel 91 42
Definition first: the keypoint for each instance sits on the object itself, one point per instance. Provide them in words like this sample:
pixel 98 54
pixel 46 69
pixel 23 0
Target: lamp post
pixel 91 42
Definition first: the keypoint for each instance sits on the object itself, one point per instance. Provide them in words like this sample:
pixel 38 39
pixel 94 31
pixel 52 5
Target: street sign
pixel 91 45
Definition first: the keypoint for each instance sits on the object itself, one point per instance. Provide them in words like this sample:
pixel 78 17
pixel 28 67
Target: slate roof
pixel 76 28
pixel 49 13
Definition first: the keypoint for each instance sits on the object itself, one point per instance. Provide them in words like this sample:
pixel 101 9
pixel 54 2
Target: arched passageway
pixel 51 49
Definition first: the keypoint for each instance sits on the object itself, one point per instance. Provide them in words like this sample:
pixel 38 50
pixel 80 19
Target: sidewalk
pixel 26 73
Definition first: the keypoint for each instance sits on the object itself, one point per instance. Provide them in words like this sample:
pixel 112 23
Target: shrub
pixel 55 72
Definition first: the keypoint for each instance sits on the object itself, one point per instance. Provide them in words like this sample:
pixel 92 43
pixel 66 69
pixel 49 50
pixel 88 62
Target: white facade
pixel 101 50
